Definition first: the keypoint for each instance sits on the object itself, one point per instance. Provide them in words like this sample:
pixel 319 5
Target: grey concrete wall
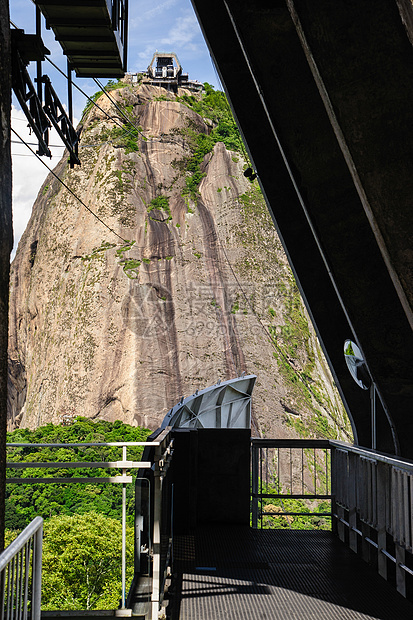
pixel 6 236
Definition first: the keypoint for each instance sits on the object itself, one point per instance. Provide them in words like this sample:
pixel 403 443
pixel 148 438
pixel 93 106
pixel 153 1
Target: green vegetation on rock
pixel 212 106
pixel 111 85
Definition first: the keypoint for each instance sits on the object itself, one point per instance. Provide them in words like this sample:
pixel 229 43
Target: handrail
pixel 381 457
pixel 80 444
pixel 290 443
pixel 159 464
pixel 288 476
pixel 20 541
pixel 15 562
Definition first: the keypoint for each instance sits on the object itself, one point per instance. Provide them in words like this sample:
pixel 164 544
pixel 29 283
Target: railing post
pixel 37 574
pixel 156 538
pixel 382 497
pixel 333 489
pixel 352 512
pixel 124 458
pixel 255 483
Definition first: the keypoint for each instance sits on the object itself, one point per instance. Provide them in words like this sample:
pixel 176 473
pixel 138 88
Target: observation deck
pixel 238 572
pixel 215 513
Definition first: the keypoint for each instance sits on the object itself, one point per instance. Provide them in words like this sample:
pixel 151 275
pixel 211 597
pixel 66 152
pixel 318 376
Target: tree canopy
pixel 82 562
pixel 26 501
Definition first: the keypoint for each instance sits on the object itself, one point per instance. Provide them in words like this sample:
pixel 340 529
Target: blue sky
pixel 168 25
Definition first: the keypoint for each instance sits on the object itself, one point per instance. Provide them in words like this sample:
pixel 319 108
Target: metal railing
pixel 374 507
pixel 153 527
pixel 289 469
pixel 161 448
pixel 370 493
pixel 21 574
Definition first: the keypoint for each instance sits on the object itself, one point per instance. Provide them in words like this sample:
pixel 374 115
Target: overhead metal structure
pixel 92 34
pixel 224 405
pixel 322 92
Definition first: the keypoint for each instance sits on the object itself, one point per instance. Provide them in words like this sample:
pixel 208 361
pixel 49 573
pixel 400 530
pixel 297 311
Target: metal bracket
pixel 61 121
pixel 30 103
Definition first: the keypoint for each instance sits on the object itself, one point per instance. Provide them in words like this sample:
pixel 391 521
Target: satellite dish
pixel 356 364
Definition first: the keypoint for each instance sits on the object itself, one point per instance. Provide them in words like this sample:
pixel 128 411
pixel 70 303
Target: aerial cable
pixel 85 95
pixel 53 146
pixel 71 191
pixel 274 344
pixel 119 109
pixel 111 118
pixel 60 146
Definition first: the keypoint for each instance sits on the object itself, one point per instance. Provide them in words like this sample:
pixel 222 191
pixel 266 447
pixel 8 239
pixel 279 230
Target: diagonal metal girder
pixel 322 94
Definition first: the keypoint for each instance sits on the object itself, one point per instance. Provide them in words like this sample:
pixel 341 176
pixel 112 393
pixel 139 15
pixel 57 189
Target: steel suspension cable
pixel 70 190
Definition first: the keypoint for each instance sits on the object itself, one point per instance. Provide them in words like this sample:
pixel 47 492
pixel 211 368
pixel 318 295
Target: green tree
pixel 82 562
pixel 26 501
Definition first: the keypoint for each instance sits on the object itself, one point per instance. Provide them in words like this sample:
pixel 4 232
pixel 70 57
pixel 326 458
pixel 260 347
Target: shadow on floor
pixel 240 573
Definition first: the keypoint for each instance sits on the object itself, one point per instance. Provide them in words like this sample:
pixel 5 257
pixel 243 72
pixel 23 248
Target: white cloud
pixel 183 33
pixel 28 172
pixel 158 10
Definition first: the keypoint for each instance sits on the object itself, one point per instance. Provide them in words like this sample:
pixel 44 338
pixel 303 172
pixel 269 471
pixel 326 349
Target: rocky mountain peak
pixel 168 278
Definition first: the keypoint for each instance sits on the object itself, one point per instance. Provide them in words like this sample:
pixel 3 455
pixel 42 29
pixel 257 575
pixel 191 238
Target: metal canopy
pixel 92 34
pixel 322 93
pixel 224 405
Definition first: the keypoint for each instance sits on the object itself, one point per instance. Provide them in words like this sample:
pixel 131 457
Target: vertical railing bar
pixel 27 549
pixel 410 512
pixel 16 587
pixel 124 471
pixel 15 610
pixel 23 573
pixel 13 571
pixel 278 470
pixel 8 590
pixel 291 472
pixel 260 488
pixel 302 471
pixel 37 573
pixel 315 473
pixel 255 485
pixel 2 593
pixel 406 538
pixel 19 584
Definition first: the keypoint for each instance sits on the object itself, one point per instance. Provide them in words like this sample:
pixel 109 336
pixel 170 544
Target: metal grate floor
pixel 243 574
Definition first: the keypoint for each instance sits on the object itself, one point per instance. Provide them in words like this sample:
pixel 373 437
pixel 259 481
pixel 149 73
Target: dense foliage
pixel 213 107
pixel 25 501
pixel 82 562
pixel 82 528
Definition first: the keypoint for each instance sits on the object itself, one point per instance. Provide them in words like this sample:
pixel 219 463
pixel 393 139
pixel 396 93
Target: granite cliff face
pixel 195 288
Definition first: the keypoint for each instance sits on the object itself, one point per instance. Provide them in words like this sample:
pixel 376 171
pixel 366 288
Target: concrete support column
pixel 6 238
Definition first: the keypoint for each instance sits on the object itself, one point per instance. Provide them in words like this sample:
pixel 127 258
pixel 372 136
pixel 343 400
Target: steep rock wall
pixel 192 290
